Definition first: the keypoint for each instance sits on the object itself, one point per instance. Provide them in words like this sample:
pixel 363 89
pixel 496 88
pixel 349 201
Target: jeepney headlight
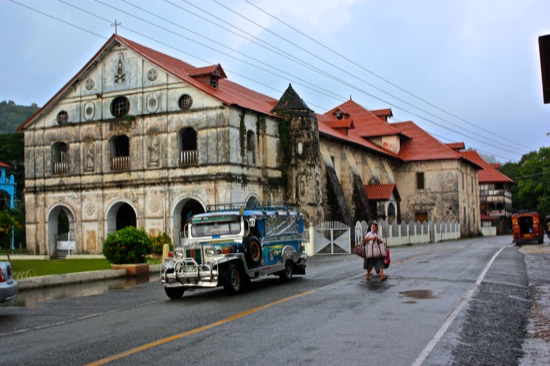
pixel 168 263
pixel 178 253
pixel 210 252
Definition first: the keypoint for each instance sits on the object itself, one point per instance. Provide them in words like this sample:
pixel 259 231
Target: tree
pixel 534 181
pixel 7 223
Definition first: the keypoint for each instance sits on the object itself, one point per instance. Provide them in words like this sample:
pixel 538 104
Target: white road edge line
pixel 431 345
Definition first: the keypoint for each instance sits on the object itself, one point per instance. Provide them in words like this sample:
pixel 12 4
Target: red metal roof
pixel 4 165
pixel 422 145
pixel 488 174
pixel 367 124
pixel 379 191
pixel 456 146
pixel 227 92
pixel 351 136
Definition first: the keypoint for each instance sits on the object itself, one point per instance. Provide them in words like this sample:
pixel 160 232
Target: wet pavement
pixel 30 297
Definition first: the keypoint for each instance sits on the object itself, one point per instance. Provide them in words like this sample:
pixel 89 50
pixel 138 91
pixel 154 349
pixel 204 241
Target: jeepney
pixel 229 245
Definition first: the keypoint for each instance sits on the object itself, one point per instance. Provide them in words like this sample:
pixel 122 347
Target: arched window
pixel 120 106
pixel 62 118
pixel 59 158
pixel 188 146
pixel 250 147
pixel 120 152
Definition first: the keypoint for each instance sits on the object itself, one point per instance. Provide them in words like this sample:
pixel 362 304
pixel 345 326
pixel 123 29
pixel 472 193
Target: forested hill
pixel 13 115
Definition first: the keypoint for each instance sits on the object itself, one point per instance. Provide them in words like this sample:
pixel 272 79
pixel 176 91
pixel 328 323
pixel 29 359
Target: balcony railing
pixel 120 163
pixel 188 156
pixel 60 168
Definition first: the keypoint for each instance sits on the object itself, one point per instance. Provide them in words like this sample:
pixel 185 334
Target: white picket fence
pixel 335 237
pixel 412 232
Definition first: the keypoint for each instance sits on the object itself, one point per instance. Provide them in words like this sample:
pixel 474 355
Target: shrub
pixel 159 241
pixel 128 245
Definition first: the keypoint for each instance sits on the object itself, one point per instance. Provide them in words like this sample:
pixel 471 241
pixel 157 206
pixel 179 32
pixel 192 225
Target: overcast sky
pixel 463 70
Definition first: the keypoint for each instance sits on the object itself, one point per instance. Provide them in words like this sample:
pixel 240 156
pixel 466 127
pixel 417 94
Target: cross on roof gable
pixel 227 92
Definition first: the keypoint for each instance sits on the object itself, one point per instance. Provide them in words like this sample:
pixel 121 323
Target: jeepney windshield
pixel 215 225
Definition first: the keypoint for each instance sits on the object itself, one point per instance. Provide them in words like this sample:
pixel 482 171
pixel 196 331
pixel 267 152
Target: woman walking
pixel 375 250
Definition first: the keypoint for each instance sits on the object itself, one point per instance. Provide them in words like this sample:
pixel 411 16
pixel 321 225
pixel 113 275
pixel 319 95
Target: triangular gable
pixel 227 92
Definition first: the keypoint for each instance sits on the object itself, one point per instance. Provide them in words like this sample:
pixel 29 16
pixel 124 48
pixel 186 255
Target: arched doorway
pixel 252 202
pixel 184 210
pixel 119 216
pixel 61 232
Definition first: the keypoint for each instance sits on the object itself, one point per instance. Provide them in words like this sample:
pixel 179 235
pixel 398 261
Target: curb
pixel 30 283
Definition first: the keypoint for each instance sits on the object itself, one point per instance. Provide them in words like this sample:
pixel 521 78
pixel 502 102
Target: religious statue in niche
pixel 154 149
pixel 120 77
pixel 90 155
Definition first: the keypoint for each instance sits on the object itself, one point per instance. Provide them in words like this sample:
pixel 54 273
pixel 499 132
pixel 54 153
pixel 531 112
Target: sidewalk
pixel 536 345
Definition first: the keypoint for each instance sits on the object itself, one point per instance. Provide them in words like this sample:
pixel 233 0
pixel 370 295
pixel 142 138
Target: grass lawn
pixel 29 267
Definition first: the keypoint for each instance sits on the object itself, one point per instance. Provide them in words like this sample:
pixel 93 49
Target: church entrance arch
pixel 185 208
pixel 61 231
pixel 119 216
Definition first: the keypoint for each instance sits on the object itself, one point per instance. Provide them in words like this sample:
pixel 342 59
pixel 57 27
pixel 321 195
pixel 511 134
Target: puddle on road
pixel 31 297
pixel 418 295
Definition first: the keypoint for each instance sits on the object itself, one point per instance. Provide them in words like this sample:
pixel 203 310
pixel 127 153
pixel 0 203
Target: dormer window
pixel 214 81
pixel 339 115
pixel 62 118
pixel 209 75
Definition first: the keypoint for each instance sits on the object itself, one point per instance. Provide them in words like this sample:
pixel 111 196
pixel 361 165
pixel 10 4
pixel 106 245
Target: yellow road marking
pixel 196 330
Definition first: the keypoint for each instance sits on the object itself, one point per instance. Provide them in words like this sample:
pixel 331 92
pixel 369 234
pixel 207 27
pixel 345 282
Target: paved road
pixel 444 303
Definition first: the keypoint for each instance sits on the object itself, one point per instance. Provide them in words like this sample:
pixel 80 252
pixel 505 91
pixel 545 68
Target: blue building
pixel 7 192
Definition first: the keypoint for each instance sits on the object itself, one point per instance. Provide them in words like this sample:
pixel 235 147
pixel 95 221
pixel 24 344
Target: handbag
pixel 360 251
pixel 387 259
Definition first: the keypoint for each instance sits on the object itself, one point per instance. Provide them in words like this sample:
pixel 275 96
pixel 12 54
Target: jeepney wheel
pixel 174 292
pixel 286 274
pixel 253 251
pixel 234 281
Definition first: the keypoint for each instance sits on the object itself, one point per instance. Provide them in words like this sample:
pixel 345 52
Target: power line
pixel 330 94
pixel 462 133
pixel 341 55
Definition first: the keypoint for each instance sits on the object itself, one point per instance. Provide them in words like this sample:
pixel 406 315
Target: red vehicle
pixel 527 227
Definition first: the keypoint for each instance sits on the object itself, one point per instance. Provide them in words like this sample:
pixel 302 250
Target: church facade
pixel 140 138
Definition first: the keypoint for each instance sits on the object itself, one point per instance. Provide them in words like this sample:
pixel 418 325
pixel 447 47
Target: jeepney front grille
pixel 195 254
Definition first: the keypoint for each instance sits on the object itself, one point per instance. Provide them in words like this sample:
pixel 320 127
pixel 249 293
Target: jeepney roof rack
pixel 263 206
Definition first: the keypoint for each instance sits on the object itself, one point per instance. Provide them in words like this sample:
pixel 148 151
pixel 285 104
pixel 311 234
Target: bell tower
pixel 301 155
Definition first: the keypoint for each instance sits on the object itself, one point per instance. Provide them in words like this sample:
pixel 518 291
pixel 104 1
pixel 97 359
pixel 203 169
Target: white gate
pixel 332 237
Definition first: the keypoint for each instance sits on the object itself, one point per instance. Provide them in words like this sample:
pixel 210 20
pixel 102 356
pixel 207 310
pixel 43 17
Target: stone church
pixel 138 137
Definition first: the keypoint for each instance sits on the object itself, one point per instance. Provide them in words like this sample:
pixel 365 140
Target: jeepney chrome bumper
pixel 189 273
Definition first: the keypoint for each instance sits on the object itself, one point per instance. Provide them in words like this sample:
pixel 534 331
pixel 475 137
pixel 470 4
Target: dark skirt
pixel 376 263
